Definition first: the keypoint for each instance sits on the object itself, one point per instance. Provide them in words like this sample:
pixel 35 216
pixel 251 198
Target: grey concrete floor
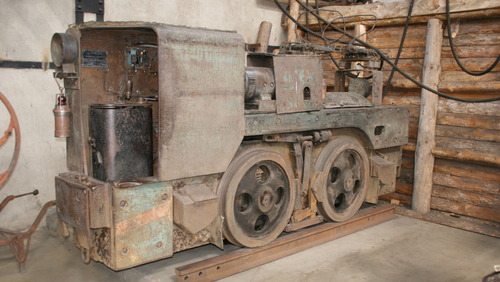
pixel 402 249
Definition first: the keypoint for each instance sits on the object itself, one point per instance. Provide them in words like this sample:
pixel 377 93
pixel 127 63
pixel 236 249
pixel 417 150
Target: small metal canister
pixel 62 117
pixel 121 141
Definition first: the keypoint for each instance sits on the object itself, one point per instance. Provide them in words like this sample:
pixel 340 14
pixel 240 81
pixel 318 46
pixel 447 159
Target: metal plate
pixel 299 83
pixel 143 224
pixel 385 126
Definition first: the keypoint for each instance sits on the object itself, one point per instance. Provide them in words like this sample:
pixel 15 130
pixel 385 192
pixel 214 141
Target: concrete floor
pixel 402 249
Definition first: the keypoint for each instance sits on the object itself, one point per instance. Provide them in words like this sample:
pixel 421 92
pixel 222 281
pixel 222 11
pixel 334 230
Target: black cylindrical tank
pixel 121 141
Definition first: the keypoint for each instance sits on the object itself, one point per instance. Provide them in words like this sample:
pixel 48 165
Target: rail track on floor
pixel 243 259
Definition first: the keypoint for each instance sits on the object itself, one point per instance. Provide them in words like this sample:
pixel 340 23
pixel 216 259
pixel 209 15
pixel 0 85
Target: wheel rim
pixel 257 196
pixel 342 190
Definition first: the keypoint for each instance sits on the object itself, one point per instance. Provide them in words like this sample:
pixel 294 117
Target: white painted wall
pixel 25 32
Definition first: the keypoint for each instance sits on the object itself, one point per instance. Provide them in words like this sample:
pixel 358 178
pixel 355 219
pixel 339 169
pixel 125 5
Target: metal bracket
pixel 89 6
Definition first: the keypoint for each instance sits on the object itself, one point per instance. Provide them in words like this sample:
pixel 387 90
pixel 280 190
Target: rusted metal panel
pixel 385 126
pixel 201 96
pixel 143 223
pixel 299 83
pixel 73 207
pixel 195 207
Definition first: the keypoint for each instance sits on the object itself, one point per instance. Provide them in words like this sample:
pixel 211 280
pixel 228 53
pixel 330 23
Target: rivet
pixel 159 244
pixel 164 197
pixel 123 204
pixel 124 251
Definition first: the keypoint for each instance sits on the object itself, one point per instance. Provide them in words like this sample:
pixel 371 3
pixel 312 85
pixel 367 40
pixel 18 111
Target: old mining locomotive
pixel 178 137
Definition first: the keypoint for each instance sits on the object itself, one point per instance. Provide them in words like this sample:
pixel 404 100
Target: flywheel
pixel 343 163
pixel 257 196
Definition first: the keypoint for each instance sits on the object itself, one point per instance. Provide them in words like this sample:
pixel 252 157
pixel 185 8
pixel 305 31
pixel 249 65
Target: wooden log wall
pixel 466 174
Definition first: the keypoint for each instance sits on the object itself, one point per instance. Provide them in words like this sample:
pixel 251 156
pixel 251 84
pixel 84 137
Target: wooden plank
pixel 477 134
pixel 475 121
pixel 424 159
pixel 449 106
pixel 485 200
pixel 228 264
pixel 465 223
pixel 458 195
pixel 491 148
pixel 490 214
pixel 441 204
pixel 467 170
pixel 465 183
pixel 399 9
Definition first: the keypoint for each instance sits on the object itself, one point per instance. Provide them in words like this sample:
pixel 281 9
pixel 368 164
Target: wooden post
pixel 360 33
pixel 424 160
pixel 263 36
pixel 292 27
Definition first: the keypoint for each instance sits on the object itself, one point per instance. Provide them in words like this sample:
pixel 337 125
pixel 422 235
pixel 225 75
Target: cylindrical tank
pixel 121 141
pixel 259 83
pixel 62 117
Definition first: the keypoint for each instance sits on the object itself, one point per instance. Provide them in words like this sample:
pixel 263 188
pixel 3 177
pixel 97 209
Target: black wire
pixel 400 50
pixel 478 73
pixel 307 29
pixel 382 56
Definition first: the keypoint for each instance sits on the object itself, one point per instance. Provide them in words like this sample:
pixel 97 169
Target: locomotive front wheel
pixel 344 162
pixel 257 195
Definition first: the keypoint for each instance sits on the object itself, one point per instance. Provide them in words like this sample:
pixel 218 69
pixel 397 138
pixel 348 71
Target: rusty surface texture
pixel 231 263
pixel 121 141
pixel 19 242
pixel 201 96
pixel 142 224
pixel 299 83
pixel 385 126
pixel 13 126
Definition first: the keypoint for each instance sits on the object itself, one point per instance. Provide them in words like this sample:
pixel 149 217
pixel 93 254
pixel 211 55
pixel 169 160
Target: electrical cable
pixel 382 56
pixel 400 49
pixel 452 47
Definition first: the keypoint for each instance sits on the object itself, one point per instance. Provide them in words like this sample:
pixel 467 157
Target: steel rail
pixel 243 259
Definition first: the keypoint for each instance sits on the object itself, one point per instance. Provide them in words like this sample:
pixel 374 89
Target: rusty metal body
pixel 227 138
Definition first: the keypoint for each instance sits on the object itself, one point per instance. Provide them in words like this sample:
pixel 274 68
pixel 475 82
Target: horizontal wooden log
pixel 399 9
pixel 467 170
pixel 466 155
pixel 484 200
pixel 466 184
pixel 492 148
pixel 445 205
pixel 490 175
pixel 477 134
pixel 449 106
pixel 485 227
pixel 476 121
pixel 462 52
pixel 465 209
pixel 480 199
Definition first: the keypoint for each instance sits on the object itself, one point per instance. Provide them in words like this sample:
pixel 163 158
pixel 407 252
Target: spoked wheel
pixel 257 195
pixel 344 163
pixel 13 126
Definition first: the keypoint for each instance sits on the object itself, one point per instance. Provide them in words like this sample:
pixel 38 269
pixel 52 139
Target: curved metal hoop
pixel 13 126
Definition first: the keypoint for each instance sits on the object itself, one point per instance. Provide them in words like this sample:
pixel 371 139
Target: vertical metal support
pixel 424 160
pixel 89 6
